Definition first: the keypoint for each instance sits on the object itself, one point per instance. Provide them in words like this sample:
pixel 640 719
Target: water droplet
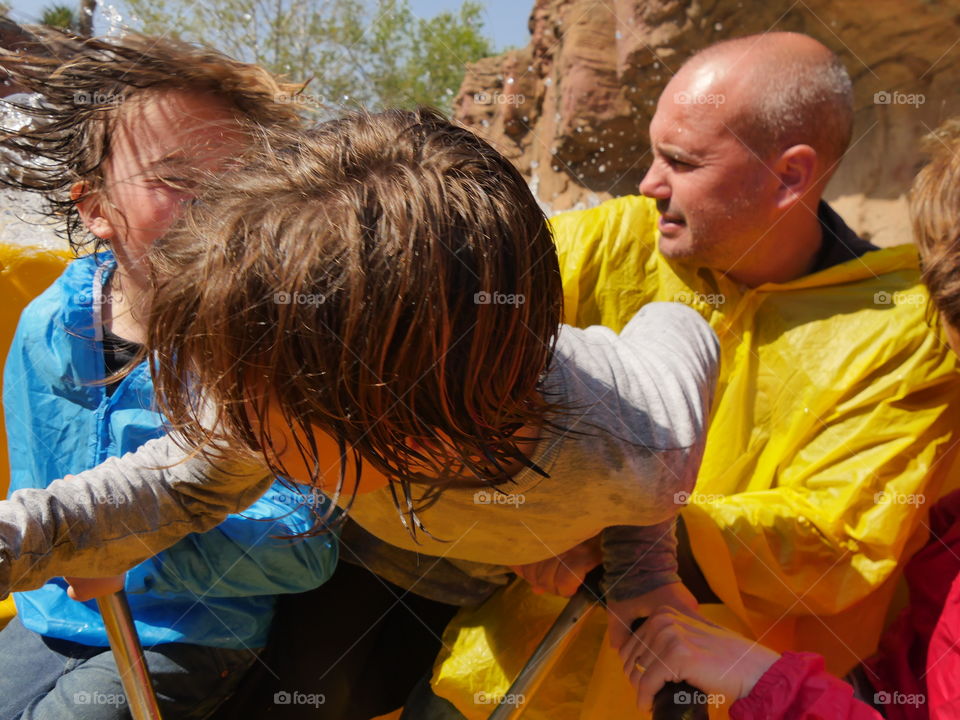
pixel 602 168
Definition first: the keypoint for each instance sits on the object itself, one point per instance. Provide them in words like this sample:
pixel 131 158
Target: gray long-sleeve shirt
pixel 631 447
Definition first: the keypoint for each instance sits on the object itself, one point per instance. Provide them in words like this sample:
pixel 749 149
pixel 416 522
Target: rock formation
pixel 572 108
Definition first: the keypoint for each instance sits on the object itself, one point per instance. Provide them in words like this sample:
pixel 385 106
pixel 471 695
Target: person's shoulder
pixel 665 357
pixel 654 325
pixel 674 316
pixel 631 215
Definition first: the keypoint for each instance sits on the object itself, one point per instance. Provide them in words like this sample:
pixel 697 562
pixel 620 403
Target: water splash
pixel 115 26
pixel 22 221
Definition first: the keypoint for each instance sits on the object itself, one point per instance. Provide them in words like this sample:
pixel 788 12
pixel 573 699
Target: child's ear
pixel 91 211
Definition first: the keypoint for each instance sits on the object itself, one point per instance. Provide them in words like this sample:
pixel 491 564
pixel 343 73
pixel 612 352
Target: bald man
pixel 830 433
pixel 829 430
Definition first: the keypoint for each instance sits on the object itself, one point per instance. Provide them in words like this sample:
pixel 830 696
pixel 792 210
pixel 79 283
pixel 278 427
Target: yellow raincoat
pixel 24 274
pixel 831 435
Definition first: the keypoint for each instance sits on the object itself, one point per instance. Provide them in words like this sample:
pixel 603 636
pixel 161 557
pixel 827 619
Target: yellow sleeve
pixel 822 458
pixel 605 253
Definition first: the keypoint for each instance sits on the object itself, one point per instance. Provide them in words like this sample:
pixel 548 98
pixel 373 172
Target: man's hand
pixel 621 614
pixel 563 574
pixel 82 589
pixel 673 646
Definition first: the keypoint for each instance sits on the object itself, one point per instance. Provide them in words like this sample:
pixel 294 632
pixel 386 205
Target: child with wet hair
pixel 123 132
pixel 374 307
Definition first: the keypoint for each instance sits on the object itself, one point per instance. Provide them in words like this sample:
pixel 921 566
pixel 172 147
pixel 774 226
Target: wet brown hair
pixel 84 83
pixel 388 278
pixel 935 211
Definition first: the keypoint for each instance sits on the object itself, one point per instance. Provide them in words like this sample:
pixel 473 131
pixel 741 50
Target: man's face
pixel 161 143
pixel 713 193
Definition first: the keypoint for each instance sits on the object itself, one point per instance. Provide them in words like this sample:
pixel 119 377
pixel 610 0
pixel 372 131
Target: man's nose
pixel 654 184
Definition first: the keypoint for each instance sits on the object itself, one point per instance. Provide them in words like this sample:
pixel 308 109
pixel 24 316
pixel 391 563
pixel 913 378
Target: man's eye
pixel 677 162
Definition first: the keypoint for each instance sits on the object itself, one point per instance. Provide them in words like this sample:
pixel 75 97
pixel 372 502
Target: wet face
pixel 161 143
pixel 714 194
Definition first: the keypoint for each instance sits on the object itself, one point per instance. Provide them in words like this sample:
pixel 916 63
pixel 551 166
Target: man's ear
pixel 797 169
pixel 90 207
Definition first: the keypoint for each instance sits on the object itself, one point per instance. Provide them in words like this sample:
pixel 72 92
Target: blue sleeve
pixel 248 553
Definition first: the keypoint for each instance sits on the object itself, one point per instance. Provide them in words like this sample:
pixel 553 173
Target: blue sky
pixel 505 22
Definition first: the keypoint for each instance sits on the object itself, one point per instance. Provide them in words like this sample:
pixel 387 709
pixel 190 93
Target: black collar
pixel 839 243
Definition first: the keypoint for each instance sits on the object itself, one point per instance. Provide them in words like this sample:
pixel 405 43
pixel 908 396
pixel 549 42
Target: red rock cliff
pixel 572 108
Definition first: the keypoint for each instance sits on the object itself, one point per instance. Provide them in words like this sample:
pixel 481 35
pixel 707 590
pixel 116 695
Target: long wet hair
pixel 85 82
pixel 386 278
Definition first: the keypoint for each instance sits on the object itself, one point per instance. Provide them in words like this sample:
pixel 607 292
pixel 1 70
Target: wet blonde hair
pixel 935 211
pixel 84 84
pixel 388 278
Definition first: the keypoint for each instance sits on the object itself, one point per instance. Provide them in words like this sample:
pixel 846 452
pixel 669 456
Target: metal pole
pixel 577 609
pixel 674 701
pixel 131 664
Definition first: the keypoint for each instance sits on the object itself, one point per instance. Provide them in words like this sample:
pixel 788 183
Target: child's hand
pixel 621 614
pixel 673 646
pixel 563 574
pixel 83 589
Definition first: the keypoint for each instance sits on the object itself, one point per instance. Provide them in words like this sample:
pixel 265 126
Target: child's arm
pixel 108 519
pixel 664 370
pixel 249 553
